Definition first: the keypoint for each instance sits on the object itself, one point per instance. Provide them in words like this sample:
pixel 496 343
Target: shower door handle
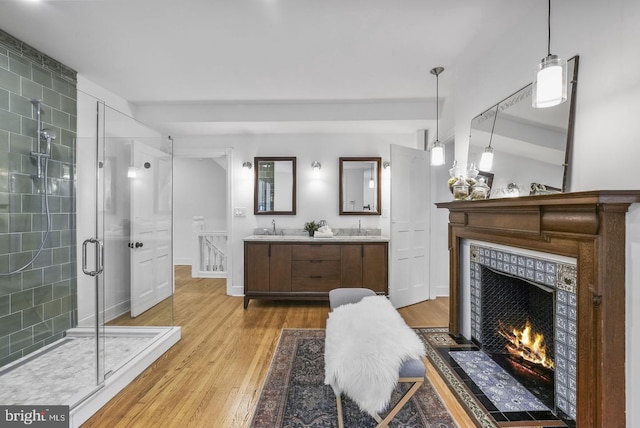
pixel 99 257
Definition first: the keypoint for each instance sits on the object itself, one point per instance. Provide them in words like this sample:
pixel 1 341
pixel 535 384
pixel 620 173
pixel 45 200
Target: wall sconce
pixel 131 172
pixel 316 166
pixel 386 164
pixel 246 165
pixel 550 82
pixel 437 151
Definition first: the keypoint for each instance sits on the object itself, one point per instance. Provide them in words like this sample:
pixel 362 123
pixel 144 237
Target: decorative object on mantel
pixel 480 190
pixel 311 227
pixel 467 185
pixel 460 189
pixel 541 189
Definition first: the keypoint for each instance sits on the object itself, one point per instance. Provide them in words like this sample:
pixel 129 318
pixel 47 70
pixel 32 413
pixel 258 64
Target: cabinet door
pixel 280 267
pixel 375 267
pixel 351 270
pixel 256 266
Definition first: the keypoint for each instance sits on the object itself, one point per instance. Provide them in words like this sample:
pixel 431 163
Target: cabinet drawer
pixel 316 252
pixel 315 275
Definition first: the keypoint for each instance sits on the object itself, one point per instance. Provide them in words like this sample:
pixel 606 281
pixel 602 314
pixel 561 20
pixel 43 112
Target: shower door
pixel 122 181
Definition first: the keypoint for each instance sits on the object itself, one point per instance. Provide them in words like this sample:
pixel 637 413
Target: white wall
pixel 200 189
pixel 317 195
pixel 606 149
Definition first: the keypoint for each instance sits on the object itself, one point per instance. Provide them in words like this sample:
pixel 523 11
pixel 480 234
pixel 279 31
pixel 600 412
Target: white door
pixel 150 243
pixel 410 213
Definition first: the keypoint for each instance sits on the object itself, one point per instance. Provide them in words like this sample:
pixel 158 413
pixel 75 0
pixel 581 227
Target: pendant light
pixel 437 151
pixel 486 160
pixel 550 81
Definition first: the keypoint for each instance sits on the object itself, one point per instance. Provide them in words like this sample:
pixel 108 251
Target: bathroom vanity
pixel 305 268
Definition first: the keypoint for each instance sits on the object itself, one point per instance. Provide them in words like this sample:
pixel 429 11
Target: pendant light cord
pixel 549 30
pixel 437 107
pixel 495 116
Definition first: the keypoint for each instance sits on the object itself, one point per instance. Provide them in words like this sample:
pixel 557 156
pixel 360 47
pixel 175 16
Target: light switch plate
pixel 240 212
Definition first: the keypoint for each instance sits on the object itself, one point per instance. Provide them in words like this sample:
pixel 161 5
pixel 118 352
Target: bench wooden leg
pixel 339 406
pixel 406 397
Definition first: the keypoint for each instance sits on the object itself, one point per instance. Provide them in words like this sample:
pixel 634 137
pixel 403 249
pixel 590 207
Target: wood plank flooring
pixel 213 375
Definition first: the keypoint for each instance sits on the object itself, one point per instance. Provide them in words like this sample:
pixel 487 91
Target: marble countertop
pixel 302 238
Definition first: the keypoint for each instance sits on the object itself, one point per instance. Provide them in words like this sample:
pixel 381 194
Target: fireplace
pixel 523 314
pixel 588 227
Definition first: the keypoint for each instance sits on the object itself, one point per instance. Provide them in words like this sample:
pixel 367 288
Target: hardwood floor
pixel 213 375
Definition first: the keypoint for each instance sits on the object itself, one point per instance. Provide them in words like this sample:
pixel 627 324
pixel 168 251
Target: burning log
pixel 526 344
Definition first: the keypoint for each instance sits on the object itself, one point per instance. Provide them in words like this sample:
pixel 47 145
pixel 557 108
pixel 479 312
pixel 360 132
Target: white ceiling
pixel 219 52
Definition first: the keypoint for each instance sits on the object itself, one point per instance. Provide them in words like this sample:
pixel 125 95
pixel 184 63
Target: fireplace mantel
pixel 589 226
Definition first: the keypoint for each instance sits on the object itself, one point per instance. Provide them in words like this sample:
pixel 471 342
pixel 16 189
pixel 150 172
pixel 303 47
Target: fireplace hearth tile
pixel 506 393
pixel 439 345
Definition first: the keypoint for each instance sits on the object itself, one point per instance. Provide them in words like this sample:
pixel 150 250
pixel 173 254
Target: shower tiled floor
pixel 65 372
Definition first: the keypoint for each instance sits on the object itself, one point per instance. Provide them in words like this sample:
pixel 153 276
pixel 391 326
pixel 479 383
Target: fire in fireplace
pixel 526 344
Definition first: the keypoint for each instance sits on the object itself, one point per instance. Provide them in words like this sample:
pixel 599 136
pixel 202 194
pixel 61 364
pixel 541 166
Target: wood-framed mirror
pixel 360 179
pixel 274 186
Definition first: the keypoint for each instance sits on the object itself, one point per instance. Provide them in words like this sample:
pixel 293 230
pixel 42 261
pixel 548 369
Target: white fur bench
pixel 376 322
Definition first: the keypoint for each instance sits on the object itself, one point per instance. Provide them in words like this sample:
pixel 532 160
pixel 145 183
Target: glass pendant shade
pixel 550 82
pixel 437 154
pixel 486 161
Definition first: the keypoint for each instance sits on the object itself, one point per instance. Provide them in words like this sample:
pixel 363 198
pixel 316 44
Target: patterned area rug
pixel 294 393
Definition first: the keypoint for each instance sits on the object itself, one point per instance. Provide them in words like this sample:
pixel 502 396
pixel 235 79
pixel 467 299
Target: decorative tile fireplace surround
pixel 514 287
pixel 588 227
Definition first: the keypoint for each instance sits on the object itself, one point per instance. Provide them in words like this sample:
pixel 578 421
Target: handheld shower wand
pixel 47 135
pixel 42 171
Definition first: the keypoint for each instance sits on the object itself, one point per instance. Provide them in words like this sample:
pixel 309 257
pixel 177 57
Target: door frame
pixel 216 152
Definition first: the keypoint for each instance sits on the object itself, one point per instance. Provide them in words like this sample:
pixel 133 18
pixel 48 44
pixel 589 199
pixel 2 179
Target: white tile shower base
pixel 64 373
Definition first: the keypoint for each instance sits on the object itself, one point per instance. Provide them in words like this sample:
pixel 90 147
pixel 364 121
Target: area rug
pixel 294 393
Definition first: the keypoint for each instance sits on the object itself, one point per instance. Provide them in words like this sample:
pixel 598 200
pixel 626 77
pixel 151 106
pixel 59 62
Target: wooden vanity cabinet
pixel 270 267
pixel 293 270
pixel 365 265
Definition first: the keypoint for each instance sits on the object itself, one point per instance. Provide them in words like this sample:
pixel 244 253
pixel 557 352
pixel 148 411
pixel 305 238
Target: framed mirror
pixel 531 146
pixel 274 186
pixel 360 186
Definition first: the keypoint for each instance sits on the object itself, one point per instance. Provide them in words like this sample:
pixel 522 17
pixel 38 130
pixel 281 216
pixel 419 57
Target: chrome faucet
pixel 273 223
pixel 359 226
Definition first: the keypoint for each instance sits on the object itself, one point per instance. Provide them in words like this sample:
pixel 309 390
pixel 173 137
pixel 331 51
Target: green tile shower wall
pixel 38 304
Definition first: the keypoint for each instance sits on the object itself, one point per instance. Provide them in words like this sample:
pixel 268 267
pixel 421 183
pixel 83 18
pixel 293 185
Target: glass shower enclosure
pixel 86 276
